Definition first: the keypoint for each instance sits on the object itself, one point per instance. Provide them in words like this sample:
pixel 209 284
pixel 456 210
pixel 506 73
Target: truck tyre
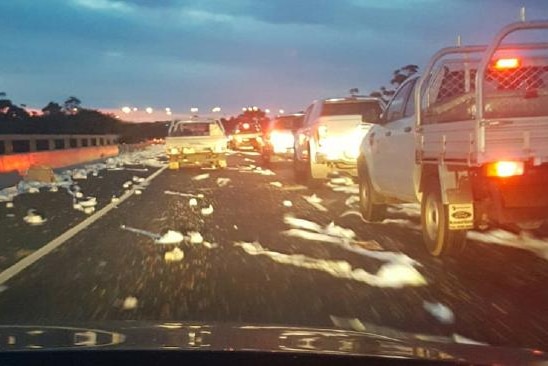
pixel 316 173
pixel 370 211
pixel 439 240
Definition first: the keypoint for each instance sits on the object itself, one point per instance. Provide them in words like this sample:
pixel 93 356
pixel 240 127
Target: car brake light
pixel 505 169
pixel 507 63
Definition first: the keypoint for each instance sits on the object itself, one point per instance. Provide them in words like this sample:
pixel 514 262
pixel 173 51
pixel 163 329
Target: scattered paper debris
pixel 235 227
pixel 127 184
pixel 114 199
pixel 34 218
pixel 79 174
pixel 89 202
pixel 193 202
pixel 315 201
pixel 343 181
pixel 201 176
pixel 523 240
pixel 209 245
pixel 287 203
pixel 171 237
pixel 249 160
pixel 352 200
pixel 54 189
pixel 207 210
pixel 389 275
pixel 199 195
pixel 135 179
pixel 33 190
pixel 195 237
pixel 130 303
pixel 78 195
pixel 9 204
pixel 354 189
pixel 276 184
pixel 151 235
pixel 89 210
pixel 176 255
pixel 439 311
pixel 408 209
pixel 221 182
pixel 138 192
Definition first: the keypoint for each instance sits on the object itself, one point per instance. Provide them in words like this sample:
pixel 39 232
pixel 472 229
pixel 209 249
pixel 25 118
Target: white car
pixel 196 142
pixel 330 136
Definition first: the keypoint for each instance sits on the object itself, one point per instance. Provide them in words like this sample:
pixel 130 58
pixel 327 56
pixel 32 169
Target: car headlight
pixel 173 151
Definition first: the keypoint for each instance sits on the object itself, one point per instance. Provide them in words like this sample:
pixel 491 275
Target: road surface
pixel 259 265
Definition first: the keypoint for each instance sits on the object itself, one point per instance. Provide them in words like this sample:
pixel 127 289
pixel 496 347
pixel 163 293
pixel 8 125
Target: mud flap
pixel 461 216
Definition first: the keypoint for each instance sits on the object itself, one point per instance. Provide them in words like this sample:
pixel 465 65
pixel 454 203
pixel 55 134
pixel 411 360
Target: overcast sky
pixel 234 53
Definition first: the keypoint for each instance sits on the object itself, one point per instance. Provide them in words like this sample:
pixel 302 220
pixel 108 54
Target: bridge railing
pixel 20 144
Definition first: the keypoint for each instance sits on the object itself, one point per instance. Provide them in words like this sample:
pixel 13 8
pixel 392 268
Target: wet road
pixel 259 264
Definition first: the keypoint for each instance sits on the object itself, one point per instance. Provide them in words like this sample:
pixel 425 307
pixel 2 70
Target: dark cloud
pixel 282 52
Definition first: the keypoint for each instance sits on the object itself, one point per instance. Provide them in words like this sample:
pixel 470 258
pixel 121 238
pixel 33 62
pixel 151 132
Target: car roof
pixel 350 99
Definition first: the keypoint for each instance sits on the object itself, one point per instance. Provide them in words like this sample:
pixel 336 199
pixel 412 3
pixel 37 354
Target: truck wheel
pixel 369 210
pixel 439 240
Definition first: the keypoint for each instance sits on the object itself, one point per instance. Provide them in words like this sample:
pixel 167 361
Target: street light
pixel 135 109
pixel 126 110
pixel 244 109
pixel 168 113
pixel 194 110
pixel 149 110
pixel 267 110
pixel 255 108
pixel 216 109
pixel 168 109
pixel 281 111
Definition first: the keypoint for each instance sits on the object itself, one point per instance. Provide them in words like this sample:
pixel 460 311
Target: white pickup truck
pixel 330 136
pixel 196 142
pixel 468 141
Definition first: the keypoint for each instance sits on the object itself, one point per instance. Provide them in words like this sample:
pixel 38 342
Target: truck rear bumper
pixel 199 159
pixel 515 199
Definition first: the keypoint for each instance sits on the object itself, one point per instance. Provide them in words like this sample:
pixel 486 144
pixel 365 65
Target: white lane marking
pixel 61 239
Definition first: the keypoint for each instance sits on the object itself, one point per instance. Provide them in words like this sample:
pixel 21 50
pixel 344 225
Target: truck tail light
pixel 507 63
pixel 504 169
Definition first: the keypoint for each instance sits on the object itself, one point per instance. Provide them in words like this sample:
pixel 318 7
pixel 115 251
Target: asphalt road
pixel 496 294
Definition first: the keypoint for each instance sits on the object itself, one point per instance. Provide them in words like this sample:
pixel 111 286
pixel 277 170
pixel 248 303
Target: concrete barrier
pixel 55 158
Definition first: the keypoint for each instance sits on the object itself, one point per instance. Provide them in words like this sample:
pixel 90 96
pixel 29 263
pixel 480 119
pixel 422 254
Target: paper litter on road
pixel 79 174
pixel 249 160
pixel 523 240
pixel 127 184
pixel 176 255
pixel 9 204
pixel 401 222
pixel 171 237
pixel 34 218
pixel 89 202
pixel 206 211
pixel 193 202
pixel 352 201
pixel 78 194
pixel 130 303
pixel 33 190
pixel 344 238
pixel 409 209
pixel 54 189
pixel 201 177
pixel 354 189
pixel 222 182
pixel 439 311
pixel 89 210
pixel 389 275
pixel 209 245
pixel 315 201
pixel 287 203
pixel 342 181
pixel 182 194
pixel 138 192
pixel 114 199
pixel 195 237
pixel 276 184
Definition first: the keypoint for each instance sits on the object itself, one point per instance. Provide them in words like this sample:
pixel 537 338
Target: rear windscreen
pixel 369 111
pixel 191 129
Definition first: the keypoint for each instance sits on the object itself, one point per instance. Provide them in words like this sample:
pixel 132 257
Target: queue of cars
pixel 468 141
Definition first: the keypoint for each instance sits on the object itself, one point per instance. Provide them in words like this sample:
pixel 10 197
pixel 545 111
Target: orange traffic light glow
pixel 507 63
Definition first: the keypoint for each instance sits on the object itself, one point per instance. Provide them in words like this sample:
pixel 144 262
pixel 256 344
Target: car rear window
pixel 191 129
pixel 369 110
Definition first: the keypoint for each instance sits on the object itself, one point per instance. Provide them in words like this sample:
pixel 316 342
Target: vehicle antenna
pixel 459 40
pixel 522 14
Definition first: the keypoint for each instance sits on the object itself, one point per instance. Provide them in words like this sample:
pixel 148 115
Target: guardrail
pixel 20 144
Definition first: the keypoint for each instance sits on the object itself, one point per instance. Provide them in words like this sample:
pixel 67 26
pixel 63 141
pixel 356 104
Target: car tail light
pixel 504 169
pixel 281 141
pixel 507 63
